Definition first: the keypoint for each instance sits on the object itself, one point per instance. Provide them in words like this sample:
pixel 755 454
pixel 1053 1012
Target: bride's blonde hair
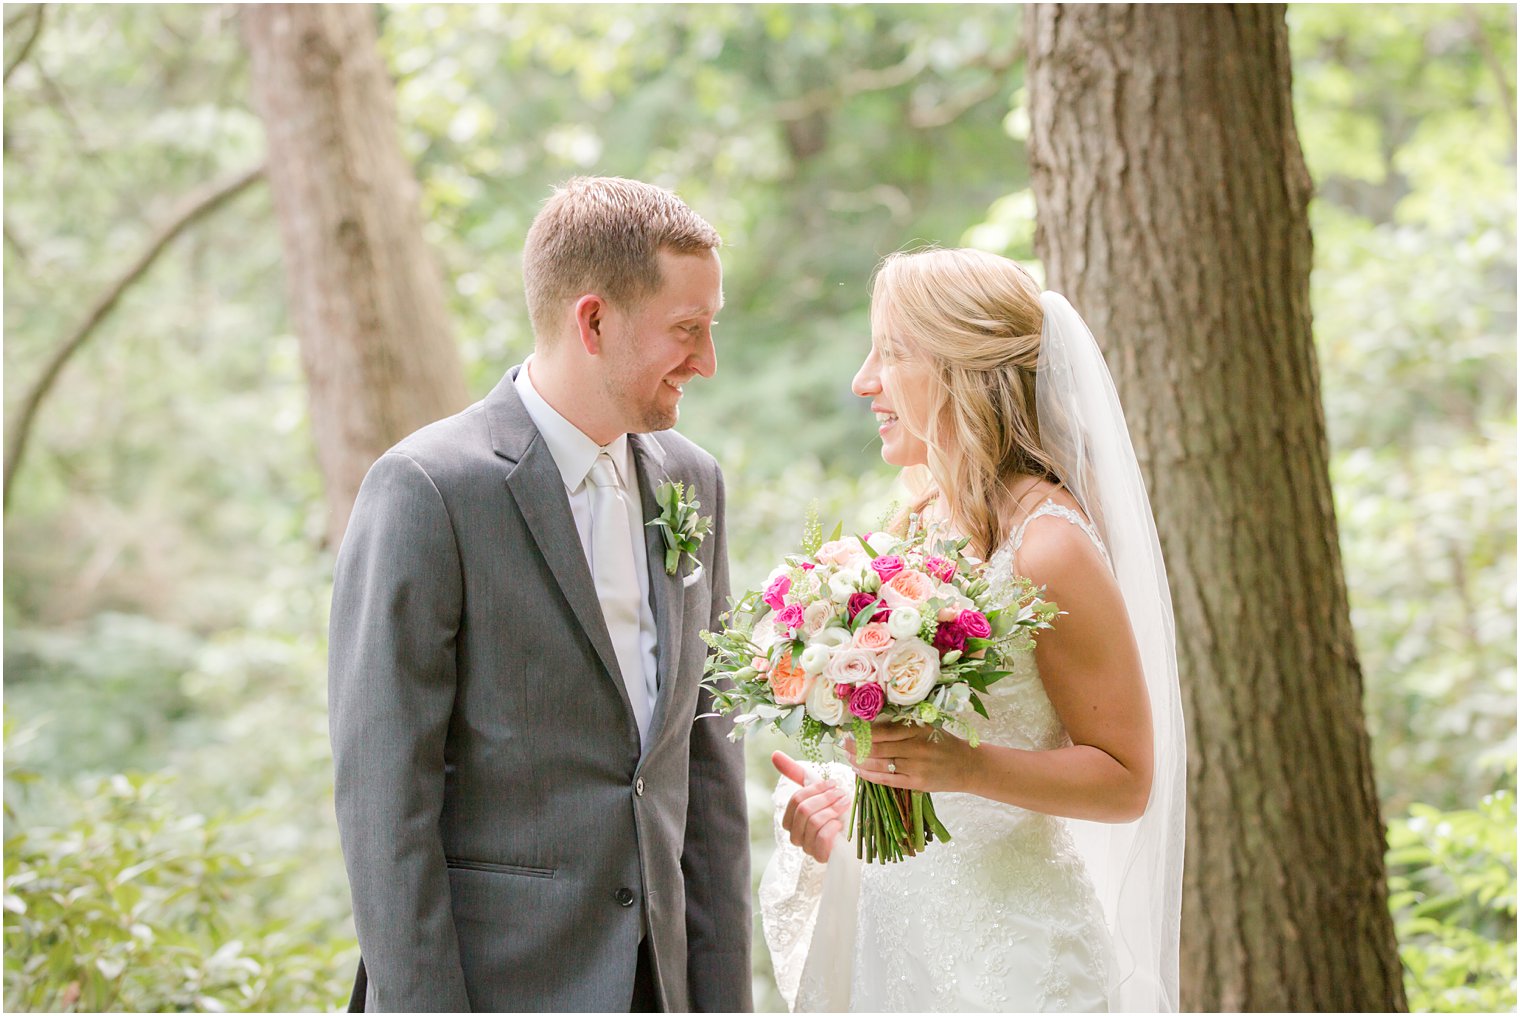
pixel 971 320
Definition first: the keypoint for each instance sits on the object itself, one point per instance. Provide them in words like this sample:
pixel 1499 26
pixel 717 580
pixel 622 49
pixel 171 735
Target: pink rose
pixel 866 701
pixel 808 566
pixel 873 637
pixel 790 617
pixel 853 666
pixel 940 568
pixel 840 552
pixel 949 637
pixel 975 624
pixel 844 691
pixel 775 593
pixel 887 565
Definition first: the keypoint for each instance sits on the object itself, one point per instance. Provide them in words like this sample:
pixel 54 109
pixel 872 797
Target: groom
pixel 533 815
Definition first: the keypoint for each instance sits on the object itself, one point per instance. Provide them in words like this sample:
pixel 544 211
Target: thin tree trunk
pixel 366 297
pixel 1172 200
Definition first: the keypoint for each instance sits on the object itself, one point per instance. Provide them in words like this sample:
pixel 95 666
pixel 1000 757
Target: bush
pixel 1452 891
pixel 139 904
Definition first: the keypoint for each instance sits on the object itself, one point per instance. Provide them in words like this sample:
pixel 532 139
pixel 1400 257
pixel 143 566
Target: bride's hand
pixel 815 815
pixel 906 756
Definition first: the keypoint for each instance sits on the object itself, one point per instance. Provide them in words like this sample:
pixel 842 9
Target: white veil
pixel 1136 866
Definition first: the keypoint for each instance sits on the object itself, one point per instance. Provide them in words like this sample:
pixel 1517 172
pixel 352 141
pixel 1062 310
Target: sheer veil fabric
pixel 1136 867
pixel 1026 881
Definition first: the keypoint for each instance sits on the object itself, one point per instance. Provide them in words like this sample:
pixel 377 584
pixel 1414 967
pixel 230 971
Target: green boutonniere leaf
pixel 680 524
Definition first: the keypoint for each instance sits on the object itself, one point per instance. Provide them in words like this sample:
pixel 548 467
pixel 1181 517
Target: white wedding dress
pixel 1003 918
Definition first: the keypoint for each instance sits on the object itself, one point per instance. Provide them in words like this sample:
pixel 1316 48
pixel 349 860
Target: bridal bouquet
pixel 871 628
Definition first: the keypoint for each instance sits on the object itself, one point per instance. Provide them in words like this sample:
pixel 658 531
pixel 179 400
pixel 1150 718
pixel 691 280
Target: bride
pixel 1061 887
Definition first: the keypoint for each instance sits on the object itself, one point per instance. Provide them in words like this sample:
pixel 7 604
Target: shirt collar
pixel 572 450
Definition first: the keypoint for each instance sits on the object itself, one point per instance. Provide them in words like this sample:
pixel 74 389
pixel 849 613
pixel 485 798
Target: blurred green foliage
pixel 165 583
pixel 1452 890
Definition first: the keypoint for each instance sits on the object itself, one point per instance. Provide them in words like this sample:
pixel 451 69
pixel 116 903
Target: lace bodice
pixel 1001 918
pixel 1019 712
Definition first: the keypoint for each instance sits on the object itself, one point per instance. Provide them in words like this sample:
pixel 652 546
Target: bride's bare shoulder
pixel 1051 545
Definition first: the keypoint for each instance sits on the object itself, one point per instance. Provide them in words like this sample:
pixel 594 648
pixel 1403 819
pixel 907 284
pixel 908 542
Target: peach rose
pixel 815 617
pixel 909 673
pixel 874 637
pixel 908 589
pixel 789 683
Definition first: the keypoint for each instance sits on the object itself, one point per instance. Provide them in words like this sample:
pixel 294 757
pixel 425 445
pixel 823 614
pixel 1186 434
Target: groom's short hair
pixel 602 234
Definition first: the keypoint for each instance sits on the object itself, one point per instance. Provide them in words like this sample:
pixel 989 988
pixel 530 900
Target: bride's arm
pixel 1090 667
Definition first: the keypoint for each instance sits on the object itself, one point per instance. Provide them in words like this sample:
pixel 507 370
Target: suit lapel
pixel 539 490
pixel 664 589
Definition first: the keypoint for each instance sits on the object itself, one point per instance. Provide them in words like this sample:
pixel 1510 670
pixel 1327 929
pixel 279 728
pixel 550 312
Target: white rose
pixel 814 658
pixel 854 666
pixel 909 672
pixel 815 617
pixel 832 636
pixel 905 622
pixel 765 634
pixel 823 705
pixel 884 543
pixel 843 584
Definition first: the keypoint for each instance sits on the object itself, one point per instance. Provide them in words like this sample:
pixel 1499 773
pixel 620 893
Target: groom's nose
pixel 705 360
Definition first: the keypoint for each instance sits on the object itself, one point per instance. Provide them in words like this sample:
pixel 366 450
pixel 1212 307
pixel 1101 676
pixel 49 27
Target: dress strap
pixel 1060 511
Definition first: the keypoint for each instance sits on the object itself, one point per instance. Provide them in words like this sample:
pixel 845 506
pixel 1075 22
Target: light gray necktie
pixel 617 582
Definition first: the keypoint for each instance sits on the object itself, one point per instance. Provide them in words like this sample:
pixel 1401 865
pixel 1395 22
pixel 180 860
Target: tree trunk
pixel 1172 200
pixel 366 297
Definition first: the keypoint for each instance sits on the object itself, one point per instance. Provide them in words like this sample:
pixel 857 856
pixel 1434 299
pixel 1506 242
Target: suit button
pixel 624 897
pixel 638 787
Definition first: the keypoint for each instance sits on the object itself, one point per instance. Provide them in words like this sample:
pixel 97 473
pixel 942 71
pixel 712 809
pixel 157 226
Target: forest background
pixel 168 805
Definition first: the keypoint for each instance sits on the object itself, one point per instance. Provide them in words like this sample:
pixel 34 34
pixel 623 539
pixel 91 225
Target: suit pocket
pixel 500 869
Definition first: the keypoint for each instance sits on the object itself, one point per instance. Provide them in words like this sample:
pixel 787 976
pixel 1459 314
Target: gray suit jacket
pixel 507 844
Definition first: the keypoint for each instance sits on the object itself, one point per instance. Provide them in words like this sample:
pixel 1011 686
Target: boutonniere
pixel 683 529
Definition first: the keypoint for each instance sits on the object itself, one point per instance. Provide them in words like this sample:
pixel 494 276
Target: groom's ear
pixel 590 321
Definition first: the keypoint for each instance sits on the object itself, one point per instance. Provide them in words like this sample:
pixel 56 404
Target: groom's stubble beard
pixel 639 415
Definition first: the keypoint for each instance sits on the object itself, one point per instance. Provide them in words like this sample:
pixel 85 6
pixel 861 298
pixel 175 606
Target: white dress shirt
pixel 574 453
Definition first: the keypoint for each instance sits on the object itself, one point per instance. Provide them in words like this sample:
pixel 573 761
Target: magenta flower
pixel 844 691
pixel 949 636
pixel 775 593
pixel 940 568
pixel 808 566
pixel 866 701
pixel 858 602
pixel 790 616
pixel 887 565
pixel 975 624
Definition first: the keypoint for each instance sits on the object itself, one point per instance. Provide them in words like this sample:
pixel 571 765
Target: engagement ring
pixel 892 767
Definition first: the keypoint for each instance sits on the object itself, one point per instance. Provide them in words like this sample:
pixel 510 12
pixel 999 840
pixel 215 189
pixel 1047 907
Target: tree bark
pixel 366 297
pixel 1172 197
